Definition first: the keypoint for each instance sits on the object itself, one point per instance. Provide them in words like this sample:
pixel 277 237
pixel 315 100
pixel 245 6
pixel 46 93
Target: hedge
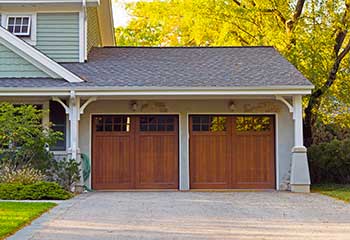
pixel 35 191
pixel 330 162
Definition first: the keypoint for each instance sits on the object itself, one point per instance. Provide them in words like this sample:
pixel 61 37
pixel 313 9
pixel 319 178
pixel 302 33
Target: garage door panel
pixel 253 153
pixel 157 161
pixel 253 162
pixel 112 165
pixel 209 152
pixel 157 152
pixel 209 165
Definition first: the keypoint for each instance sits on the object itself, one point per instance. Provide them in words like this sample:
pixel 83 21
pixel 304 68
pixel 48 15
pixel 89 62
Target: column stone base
pixel 300 188
pixel 300 176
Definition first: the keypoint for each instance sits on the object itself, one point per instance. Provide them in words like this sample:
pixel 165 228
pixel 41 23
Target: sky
pixel 121 17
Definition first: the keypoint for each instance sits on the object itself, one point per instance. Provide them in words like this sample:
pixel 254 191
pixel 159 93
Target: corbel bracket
pixel 282 99
pixel 90 100
pixel 66 108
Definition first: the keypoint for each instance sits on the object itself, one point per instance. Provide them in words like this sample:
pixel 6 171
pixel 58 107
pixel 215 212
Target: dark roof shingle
pixel 168 67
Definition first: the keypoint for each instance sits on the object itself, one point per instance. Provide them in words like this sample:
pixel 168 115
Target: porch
pixel 273 159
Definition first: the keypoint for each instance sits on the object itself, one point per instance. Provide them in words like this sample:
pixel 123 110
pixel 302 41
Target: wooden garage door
pixel 231 152
pixel 135 152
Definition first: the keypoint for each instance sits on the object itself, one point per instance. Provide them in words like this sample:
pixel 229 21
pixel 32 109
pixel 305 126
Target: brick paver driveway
pixel 193 215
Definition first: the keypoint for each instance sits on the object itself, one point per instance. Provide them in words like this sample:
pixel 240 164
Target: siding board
pixel 12 65
pixel 58 36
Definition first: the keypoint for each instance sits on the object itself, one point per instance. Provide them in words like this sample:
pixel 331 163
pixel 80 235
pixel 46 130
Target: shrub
pixel 23 138
pixel 25 175
pixel 330 162
pixel 66 172
pixel 36 191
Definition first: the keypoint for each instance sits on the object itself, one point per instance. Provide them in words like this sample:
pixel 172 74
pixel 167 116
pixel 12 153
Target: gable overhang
pixel 142 92
pixel 35 57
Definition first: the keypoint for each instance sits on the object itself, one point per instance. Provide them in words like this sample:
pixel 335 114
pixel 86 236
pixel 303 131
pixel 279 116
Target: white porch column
pixel 74 117
pixel 74 114
pixel 300 176
pixel 184 184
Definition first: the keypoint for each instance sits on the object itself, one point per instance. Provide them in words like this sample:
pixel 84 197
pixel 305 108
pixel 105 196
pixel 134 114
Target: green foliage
pixel 311 40
pixel 24 139
pixel 66 172
pixel 25 175
pixel 330 162
pixel 328 132
pixel 14 215
pixel 36 191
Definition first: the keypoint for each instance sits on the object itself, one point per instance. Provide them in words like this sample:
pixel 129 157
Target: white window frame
pixel 33 24
pixel 20 34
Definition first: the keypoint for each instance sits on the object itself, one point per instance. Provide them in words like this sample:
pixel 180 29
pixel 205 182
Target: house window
pixel 59 123
pixel 19 25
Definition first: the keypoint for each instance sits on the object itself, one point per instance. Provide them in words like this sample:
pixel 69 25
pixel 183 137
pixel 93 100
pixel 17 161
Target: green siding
pixel 93 30
pixel 12 65
pixel 58 36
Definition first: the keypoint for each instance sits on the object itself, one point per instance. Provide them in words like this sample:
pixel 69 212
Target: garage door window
pixel 209 123
pixel 253 123
pixel 157 123
pixel 112 124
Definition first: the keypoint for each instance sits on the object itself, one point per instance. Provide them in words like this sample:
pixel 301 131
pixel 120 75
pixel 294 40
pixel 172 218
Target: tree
pixel 312 34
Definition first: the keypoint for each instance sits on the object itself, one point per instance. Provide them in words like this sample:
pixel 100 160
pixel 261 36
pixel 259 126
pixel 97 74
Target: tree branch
pixel 237 2
pixel 342 31
pixel 345 51
pixel 277 13
pixel 298 10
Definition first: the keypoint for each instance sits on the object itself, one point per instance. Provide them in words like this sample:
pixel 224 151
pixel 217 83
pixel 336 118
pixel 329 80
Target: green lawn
pixel 14 215
pixel 338 191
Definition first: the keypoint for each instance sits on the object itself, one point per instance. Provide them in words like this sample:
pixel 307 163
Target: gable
pixel 14 66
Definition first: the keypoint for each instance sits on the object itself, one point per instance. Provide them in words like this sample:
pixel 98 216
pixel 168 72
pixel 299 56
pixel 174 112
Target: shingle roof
pixel 168 67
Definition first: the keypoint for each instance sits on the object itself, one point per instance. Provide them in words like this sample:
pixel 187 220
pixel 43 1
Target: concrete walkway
pixel 193 215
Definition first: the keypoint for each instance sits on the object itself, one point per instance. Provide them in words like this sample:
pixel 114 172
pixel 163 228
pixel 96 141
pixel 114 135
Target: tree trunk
pixel 310 117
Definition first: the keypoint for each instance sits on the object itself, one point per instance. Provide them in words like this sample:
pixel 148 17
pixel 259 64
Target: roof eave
pixel 135 91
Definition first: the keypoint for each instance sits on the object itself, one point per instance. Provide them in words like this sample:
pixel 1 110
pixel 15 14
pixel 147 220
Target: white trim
pixel 82 35
pixel 282 99
pixel 153 92
pixel 66 108
pixel 277 180
pixel 14 25
pixel 191 93
pixel 35 57
pixel 276 153
pixel 32 39
pixel 298 121
pixel 90 100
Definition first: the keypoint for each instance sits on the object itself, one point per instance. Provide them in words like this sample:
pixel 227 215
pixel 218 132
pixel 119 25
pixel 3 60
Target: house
pixel 155 118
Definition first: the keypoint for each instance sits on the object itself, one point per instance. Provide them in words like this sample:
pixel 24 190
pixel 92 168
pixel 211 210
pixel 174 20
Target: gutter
pixel 142 91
